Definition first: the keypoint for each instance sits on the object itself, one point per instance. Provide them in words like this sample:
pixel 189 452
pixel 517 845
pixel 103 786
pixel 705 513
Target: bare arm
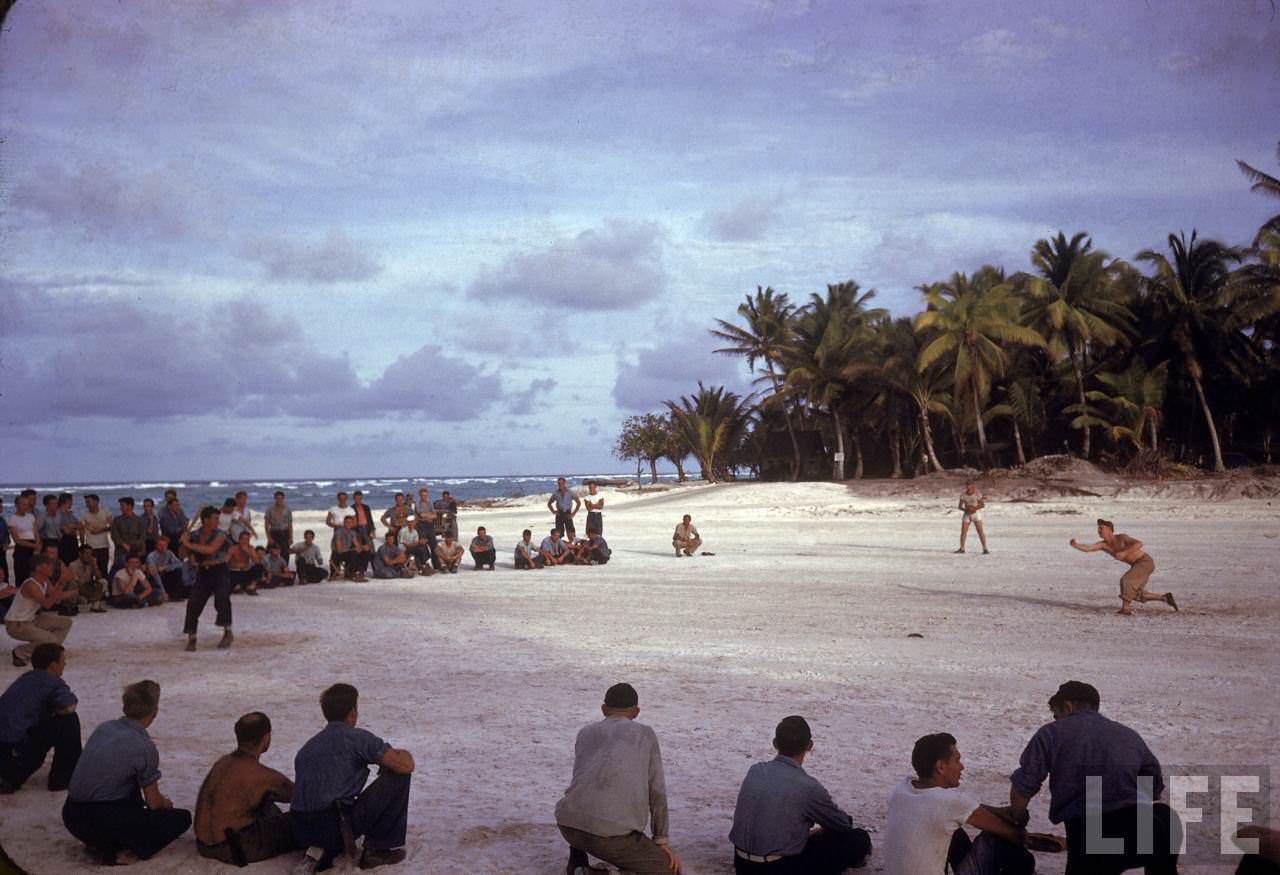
pixel 992 820
pixel 1018 807
pixel 154 798
pixel 397 760
pixel 1089 548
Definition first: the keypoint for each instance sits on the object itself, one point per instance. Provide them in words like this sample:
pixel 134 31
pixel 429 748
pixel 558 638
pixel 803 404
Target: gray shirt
pixel 1079 746
pixel 778 802
pixel 119 759
pixel 563 500
pixel 482 545
pixel 617 784
pixel 306 553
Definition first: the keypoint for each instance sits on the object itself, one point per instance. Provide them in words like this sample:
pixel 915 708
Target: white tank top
pixel 23 609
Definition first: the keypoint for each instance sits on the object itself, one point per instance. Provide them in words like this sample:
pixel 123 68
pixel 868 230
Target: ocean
pixel 379 492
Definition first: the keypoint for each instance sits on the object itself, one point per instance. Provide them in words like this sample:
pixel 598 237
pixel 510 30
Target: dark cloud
pixel 428 382
pixel 522 403
pixel 673 368
pixel 748 220
pixel 616 267
pixel 336 259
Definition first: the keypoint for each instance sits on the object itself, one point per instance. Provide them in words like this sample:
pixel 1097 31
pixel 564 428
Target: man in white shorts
pixel 972 504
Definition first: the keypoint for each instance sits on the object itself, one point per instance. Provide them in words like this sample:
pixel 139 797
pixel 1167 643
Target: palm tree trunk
pixel 653 470
pixel 982 429
pixel 927 431
pixel 680 475
pixel 895 449
pixel 857 450
pixel 1213 429
pixel 1075 366
pixel 791 432
pixel 1017 442
pixel 837 463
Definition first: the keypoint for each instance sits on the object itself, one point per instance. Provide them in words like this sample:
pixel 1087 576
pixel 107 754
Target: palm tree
pixel 1136 399
pixel 967 322
pixel 1075 301
pixel 831 338
pixel 1193 299
pixel 927 389
pixel 1263 184
pixel 712 424
pixel 768 325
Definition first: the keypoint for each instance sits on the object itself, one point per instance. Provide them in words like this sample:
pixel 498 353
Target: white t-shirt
pixel 101 519
pixel 920 823
pixel 337 514
pixel 22 525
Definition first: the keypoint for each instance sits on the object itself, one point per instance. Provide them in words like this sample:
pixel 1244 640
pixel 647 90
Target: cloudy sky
pixel 249 238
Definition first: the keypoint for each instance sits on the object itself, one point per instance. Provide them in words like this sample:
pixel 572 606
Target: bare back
pixel 232 793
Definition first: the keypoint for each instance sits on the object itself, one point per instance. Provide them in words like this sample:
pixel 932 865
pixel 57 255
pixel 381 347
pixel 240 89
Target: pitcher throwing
pixel 1133 584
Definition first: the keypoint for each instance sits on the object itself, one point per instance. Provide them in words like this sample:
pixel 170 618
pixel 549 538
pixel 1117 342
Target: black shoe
pixel 18 661
pixel 372 858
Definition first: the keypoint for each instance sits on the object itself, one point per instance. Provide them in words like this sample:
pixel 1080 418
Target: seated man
pixel 391 560
pixel 242 566
pixel 598 551
pixel 131 589
pixel 38 712
pixel 779 804
pixel 577 549
pixel 483 551
pixel 114 802
pixel 277 568
pixel 414 547
pixel 927 815
pixel 617 788
pixel 554 551
pixel 686 539
pixel 449 553
pixel 527 556
pixel 165 570
pixel 349 553
pixel 331 770
pixel 31 616
pixel 91 588
pixel 237 820
pixel 60 573
pixel 1266 841
pixel 310 561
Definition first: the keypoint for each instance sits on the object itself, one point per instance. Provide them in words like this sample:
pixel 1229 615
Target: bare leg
pixel 1126 606
pixel 964 533
pixel 982 536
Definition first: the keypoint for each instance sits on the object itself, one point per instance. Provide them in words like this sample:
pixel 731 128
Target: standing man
pixel 173 521
pixel 150 524
pixel 241 519
pixel 278 520
pixel 564 504
pixel 972 504
pixel 483 551
pixel 26 538
pixel 1133 583
pixel 778 805
pixel 237 820
pixel 595 508
pixel 686 539
pixel 97 532
pixel 208 548
pixel 49 525
pixel 333 519
pixel 446 514
pixel 69 543
pixel 331 770
pixel 617 788
pixel 38 712
pixel 364 517
pixel 128 531
pixel 114 801
pixel 424 518
pixel 1092 761
pixel 927 816
pixel 31 617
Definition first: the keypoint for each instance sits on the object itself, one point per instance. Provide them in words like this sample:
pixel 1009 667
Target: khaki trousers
pixel 45 628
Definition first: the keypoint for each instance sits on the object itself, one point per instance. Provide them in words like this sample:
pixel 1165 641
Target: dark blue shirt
pixel 31 698
pixel 1081 745
pixel 118 760
pixel 778 803
pixel 334 765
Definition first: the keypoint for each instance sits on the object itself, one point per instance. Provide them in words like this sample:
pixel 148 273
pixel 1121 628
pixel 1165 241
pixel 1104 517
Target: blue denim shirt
pixel 334 765
pixel 118 760
pixel 563 500
pixel 1080 745
pixel 33 696
pixel 778 803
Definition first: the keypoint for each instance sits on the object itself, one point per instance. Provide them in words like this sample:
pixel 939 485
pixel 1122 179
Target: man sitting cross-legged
pixel 350 553
pixel 237 820
pixel 114 802
pixel 526 554
pixel 391 560
pixel 927 816
pixel 131 589
pixel 38 712
pixel 242 566
pixel 310 561
pixel 554 550
pixel 331 770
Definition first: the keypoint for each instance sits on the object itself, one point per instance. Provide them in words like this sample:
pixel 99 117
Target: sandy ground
pixel 806 608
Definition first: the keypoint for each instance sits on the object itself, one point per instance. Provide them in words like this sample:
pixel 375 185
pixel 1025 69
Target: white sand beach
pixel 806 608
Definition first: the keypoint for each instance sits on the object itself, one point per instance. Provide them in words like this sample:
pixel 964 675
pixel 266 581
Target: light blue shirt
pixel 118 760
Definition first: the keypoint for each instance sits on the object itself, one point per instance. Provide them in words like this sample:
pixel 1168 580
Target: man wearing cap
pixel 777 807
pixel 1133 584
pixel 617 788
pixel 1095 763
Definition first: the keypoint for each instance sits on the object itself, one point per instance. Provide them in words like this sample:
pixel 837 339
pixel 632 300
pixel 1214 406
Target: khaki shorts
pixel 1134 580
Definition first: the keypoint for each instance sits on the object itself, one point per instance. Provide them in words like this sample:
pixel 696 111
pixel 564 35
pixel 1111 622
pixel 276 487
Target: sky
pixel 263 238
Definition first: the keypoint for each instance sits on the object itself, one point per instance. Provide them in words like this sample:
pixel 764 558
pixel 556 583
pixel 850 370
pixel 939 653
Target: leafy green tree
pixel 643 438
pixel 1135 401
pixel 900 348
pixel 712 424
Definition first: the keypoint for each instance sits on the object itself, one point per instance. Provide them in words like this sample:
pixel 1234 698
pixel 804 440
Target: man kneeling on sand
pixel 237 820
pixel 686 539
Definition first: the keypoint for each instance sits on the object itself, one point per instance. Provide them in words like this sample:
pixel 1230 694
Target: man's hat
pixel 1076 691
pixel 792 732
pixel 621 696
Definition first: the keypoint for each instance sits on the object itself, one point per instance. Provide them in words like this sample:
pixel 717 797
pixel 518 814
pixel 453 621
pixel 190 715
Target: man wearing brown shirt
pixel 237 820
pixel 1133 584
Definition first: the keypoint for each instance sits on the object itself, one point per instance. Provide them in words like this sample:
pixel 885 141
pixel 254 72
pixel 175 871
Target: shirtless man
pixel 1133 585
pixel 237 820
pixel 972 504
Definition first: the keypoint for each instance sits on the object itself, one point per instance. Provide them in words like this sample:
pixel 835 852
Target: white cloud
pixel 336 259
pixel 1002 49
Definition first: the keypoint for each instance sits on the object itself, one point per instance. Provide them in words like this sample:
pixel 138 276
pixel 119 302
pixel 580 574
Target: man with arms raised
pixel 1133 584
pixel 777 808
pixel 114 802
pixel 331 770
pixel 38 712
pixel 927 815
pixel 237 820
pixel 617 788
pixel 31 617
